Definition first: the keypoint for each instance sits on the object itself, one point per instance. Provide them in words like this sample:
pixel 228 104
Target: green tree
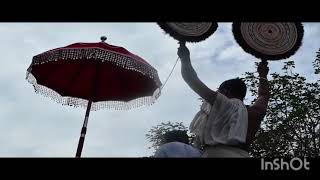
pixel 316 63
pixel 291 125
pixel 155 134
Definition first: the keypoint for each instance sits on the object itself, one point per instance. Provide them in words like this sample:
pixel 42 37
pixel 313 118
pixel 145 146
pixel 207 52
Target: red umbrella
pixel 95 76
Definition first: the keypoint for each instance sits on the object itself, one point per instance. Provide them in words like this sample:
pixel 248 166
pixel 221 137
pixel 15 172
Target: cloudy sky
pixel 36 126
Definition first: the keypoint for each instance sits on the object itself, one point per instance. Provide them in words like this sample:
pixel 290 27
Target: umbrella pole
pixel 83 130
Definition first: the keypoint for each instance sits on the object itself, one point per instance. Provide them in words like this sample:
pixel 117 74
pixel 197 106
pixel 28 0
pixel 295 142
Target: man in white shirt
pixel 176 145
pixel 225 127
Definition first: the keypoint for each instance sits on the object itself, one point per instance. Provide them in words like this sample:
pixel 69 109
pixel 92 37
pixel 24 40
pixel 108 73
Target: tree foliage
pixel 291 125
pixel 155 134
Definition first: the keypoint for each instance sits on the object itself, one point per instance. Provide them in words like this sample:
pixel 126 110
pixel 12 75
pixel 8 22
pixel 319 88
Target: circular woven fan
pixel 189 32
pixel 269 41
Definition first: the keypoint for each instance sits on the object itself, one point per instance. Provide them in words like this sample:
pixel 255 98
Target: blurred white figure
pixel 176 145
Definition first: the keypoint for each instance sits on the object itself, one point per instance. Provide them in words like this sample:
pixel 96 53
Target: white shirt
pixel 177 150
pixel 225 122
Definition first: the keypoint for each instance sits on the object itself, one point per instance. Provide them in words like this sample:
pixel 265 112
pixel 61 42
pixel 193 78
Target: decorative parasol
pixel 189 32
pixel 95 76
pixel 269 41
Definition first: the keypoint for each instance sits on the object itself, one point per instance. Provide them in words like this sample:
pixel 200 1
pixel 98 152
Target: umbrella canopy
pixel 95 76
pixel 189 32
pixel 269 41
pixel 109 76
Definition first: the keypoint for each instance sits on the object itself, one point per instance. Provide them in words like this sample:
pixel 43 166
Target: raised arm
pixel 257 111
pixel 261 103
pixel 190 76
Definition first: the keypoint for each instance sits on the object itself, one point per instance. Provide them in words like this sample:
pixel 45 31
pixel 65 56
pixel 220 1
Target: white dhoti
pixel 225 151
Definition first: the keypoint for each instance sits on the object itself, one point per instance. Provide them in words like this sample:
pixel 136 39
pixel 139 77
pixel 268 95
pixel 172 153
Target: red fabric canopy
pixel 109 76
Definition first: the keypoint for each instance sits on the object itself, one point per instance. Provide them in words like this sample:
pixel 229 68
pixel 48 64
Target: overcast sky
pixel 36 126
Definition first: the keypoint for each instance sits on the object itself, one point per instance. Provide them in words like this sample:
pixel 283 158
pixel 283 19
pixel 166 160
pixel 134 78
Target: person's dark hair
pixel 236 87
pixel 176 136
